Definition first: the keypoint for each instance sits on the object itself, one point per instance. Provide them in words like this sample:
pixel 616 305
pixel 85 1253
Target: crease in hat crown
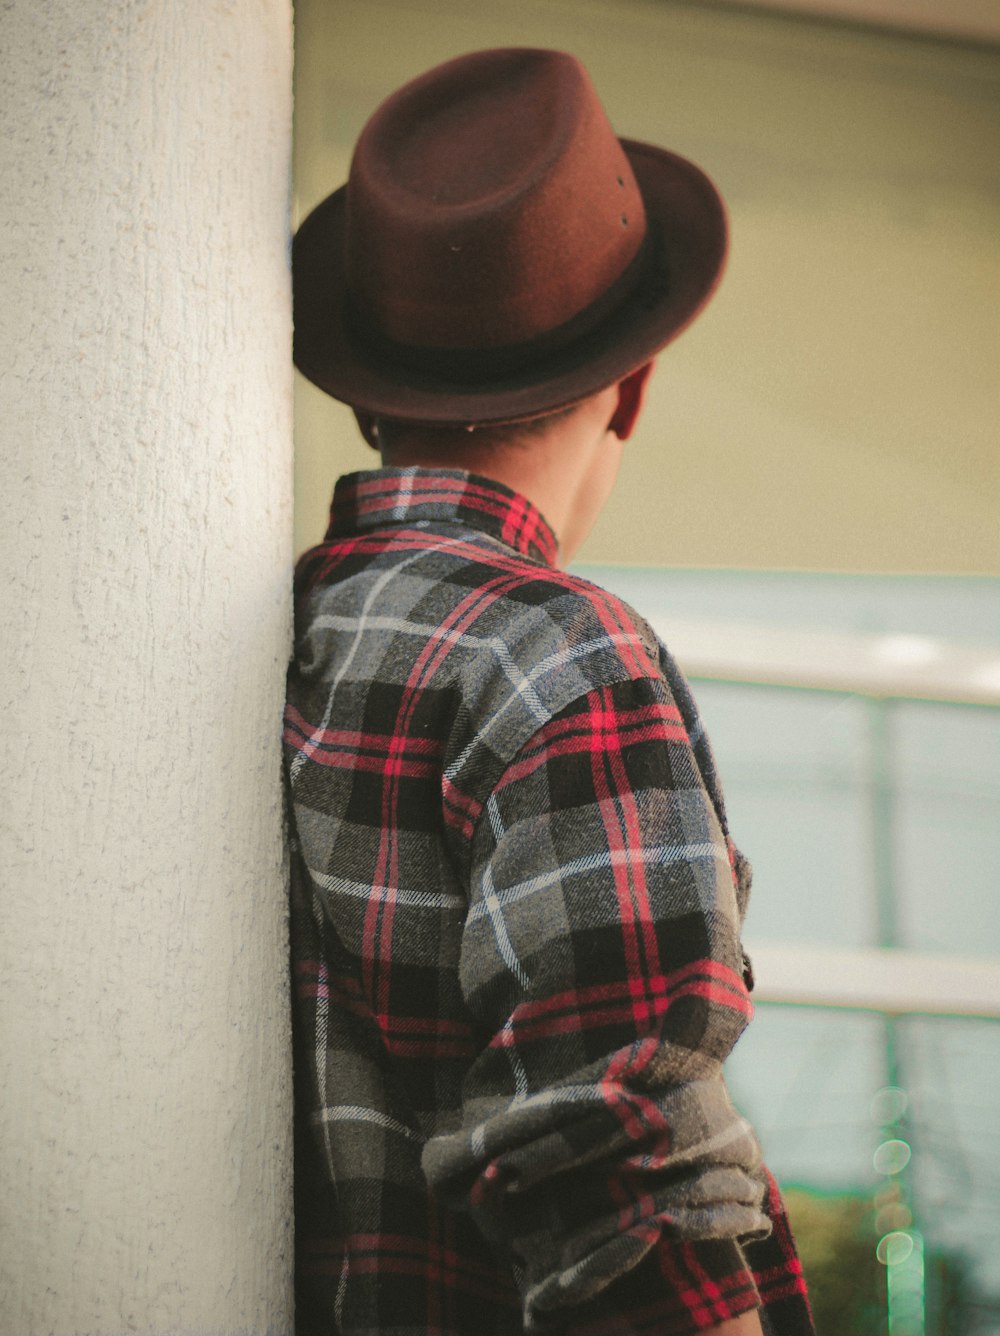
pixel 486 202
pixel 497 251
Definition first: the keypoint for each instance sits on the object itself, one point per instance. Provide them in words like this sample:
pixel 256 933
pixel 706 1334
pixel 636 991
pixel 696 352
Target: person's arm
pixel 747 1324
pixel 602 964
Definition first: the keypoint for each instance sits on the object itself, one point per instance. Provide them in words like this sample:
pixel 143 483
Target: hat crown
pixel 474 128
pixel 489 203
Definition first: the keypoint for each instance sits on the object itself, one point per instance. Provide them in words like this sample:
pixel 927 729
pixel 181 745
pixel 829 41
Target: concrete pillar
pixel 144 621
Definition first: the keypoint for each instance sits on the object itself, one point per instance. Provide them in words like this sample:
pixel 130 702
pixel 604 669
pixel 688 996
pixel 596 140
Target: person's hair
pixel 396 437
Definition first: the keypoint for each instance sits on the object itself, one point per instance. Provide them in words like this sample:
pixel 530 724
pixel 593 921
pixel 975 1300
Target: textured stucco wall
pixel 146 541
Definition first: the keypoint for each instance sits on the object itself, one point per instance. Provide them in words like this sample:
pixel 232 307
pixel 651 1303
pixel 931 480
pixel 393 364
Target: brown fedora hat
pixel 497 252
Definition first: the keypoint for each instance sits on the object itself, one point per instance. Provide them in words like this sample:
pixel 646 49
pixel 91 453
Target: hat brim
pixel 687 221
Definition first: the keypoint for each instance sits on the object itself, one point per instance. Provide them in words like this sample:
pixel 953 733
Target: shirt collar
pixel 379 498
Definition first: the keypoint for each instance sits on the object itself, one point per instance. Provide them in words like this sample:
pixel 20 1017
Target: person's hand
pixel 747 1324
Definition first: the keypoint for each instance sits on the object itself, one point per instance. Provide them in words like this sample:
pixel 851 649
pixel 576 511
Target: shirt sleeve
pixel 601 962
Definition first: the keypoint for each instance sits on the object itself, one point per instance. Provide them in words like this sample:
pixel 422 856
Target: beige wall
pixel 146 549
pixel 837 407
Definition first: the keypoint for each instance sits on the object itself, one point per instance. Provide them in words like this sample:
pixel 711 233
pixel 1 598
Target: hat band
pixel 645 275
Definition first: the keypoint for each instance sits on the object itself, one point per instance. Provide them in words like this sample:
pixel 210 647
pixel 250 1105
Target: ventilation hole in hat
pixel 624 221
pixel 621 182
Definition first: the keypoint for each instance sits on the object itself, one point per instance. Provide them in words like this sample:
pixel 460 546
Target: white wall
pixel 146 540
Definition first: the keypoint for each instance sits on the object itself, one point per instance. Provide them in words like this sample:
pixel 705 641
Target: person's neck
pixel 565 473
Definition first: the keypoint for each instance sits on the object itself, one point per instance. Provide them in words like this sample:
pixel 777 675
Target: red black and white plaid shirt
pixel 516 917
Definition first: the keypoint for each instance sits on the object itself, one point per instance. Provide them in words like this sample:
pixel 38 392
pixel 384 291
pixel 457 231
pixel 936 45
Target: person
pixel 515 902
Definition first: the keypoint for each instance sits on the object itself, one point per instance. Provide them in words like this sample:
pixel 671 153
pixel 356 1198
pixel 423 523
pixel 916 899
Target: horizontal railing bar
pixel 892 981
pixel 890 667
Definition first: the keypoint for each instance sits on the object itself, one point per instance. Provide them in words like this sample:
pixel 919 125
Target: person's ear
pixel 368 426
pixel 631 397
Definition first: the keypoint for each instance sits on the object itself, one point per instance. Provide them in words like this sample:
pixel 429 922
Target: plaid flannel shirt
pixel 517 967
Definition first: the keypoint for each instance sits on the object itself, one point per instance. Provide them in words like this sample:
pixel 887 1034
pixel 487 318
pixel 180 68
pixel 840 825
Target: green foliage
pixel 950 1286
pixel 836 1240
pixel 836 1236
